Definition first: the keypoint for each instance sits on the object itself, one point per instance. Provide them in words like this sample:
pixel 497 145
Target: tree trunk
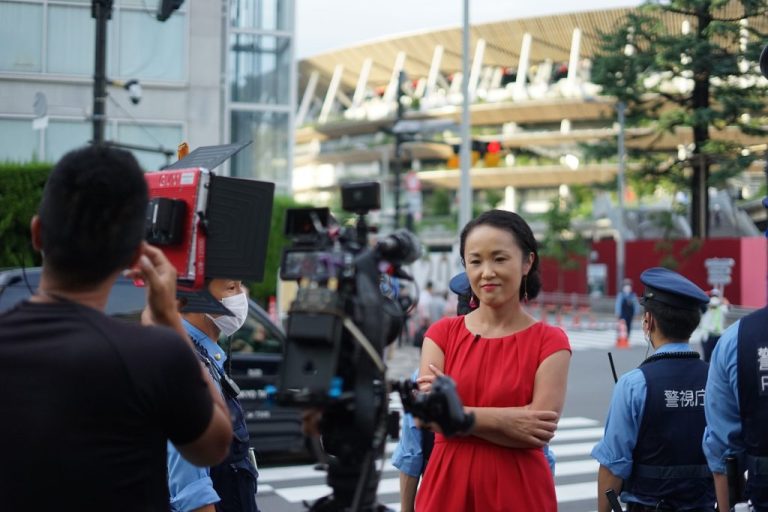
pixel 700 176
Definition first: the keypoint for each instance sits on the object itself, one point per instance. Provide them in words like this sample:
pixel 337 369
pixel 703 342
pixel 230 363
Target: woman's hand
pixel 425 381
pixel 531 426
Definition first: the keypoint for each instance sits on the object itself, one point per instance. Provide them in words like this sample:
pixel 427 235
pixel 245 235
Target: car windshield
pixel 256 335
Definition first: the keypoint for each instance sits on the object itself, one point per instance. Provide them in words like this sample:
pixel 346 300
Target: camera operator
pixel 89 401
pixel 231 485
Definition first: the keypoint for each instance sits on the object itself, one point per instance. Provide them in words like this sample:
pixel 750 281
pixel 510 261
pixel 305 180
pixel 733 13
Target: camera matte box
pixel 225 228
pixel 239 215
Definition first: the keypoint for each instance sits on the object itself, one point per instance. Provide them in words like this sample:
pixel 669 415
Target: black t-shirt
pixel 87 403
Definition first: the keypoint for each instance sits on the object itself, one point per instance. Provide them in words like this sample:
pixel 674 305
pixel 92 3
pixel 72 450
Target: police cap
pixel 670 288
pixel 459 284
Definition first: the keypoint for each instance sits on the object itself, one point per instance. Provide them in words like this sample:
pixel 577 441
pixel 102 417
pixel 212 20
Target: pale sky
pixel 323 25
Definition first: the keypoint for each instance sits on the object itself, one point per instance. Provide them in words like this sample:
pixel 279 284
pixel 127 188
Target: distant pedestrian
pixel 425 302
pixel 437 306
pixel 712 324
pixel 627 306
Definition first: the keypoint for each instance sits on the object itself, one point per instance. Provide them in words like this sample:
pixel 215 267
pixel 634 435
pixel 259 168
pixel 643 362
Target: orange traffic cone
pixel 621 335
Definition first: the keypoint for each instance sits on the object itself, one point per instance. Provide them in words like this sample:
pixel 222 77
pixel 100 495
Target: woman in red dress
pixel 510 371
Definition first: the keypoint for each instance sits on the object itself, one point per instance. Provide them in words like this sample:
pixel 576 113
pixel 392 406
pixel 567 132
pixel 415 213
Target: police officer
pixel 230 486
pixel 736 408
pixel 651 452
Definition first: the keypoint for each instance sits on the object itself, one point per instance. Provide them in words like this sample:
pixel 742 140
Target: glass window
pixel 20 286
pixel 64 136
pixel 151 50
pixel 18 141
pixel 71 32
pixel 20 42
pixel 126 300
pixel 260 69
pixel 267 157
pixel 256 336
pixel 149 6
pixel 262 14
pixel 153 135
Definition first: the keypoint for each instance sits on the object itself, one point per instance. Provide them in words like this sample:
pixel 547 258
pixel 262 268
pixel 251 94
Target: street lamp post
pixel 620 247
pixel 101 11
pixel 465 184
pixel 399 139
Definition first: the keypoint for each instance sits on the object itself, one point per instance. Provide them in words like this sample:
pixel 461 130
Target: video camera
pixel 441 405
pixel 208 226
pixel 337 330
pixel 340 321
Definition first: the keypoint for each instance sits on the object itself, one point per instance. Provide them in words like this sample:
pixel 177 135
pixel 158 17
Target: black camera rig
pixel 337 329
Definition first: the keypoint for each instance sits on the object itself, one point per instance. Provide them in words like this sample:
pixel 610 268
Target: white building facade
pixel 208 76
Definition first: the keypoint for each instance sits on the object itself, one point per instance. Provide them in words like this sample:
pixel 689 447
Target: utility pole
pixel 399 139
pixel 101 11
pixel 620 242
pixel 465 183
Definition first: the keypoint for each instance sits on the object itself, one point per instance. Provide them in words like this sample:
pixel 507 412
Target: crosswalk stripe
pixel 313 492
pixel 567 450
pixel 578 433
pixel 576 492
pixel 306 471
pixel 565 493
pixel 295 484
pixel 576 467
pixel 576 422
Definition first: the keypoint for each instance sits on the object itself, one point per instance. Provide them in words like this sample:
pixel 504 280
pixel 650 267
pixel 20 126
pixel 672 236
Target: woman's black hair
pixel 521 232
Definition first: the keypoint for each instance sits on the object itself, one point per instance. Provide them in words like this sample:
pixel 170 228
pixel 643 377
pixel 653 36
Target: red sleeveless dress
pixel 468 473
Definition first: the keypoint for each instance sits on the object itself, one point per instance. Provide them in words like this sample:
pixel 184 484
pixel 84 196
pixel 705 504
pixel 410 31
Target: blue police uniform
pixel 231 485
pixel 736 404
pixel 645 443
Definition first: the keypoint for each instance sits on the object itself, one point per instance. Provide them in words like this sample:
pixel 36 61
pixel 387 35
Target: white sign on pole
pixel 39 123
pixel 719 270
pixel 40 108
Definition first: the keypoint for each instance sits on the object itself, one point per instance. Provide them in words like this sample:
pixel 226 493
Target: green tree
pixel 21 187
pixel 704 79
pixel 560 243
pixel 439 202
pixel 277 242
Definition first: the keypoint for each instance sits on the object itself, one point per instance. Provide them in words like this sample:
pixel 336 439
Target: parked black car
pixel 257 353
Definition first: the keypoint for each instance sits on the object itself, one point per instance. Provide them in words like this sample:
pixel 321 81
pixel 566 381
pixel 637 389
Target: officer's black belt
pixel 757 465
pixel 637 507
pixel 664 472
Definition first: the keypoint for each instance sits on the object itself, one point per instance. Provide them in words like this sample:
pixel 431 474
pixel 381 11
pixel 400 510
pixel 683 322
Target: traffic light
pixel 490 152
pixel 166 8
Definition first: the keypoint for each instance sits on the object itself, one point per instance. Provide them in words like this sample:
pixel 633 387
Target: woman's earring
pixel 525 288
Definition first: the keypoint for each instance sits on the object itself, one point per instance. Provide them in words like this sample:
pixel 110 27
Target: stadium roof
pixel 551 40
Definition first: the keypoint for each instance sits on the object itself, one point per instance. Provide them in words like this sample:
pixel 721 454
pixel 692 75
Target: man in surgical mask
pixel 230 486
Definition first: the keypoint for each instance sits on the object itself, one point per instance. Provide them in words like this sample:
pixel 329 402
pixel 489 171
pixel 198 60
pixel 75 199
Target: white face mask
pixel 627 288
pixel 237 304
